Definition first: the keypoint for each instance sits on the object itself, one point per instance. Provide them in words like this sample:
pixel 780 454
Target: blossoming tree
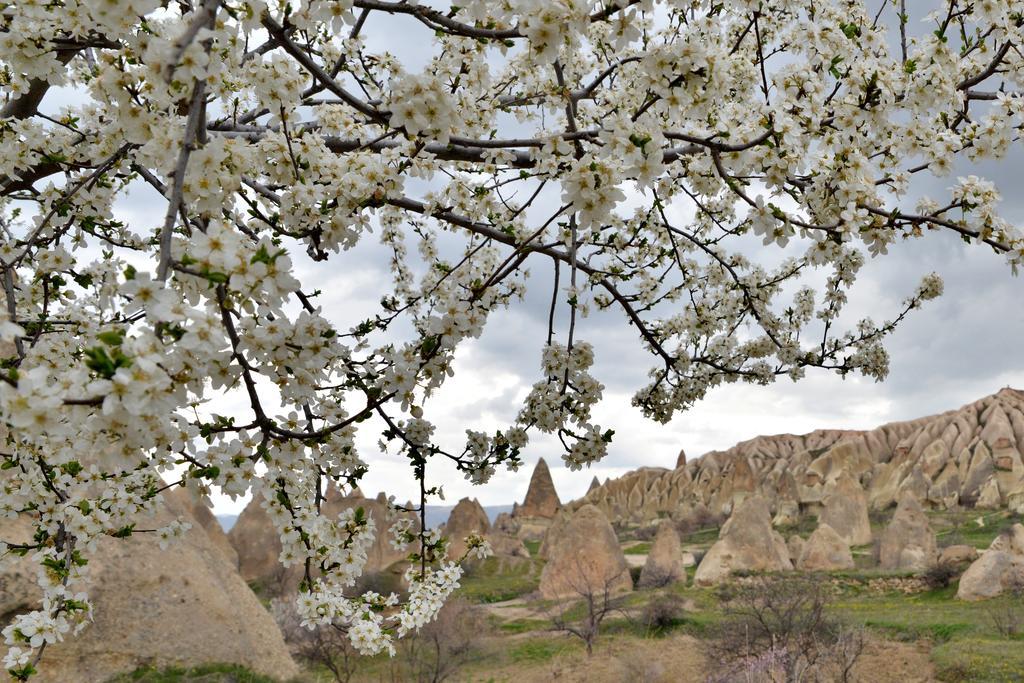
pixel 634 149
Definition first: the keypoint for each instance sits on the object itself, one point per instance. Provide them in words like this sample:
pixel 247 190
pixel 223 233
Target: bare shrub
pixel 655 577
pixel 663 613
pixel 325 645
pixel 583 618
pixel 777 629
pixel 1007 615
pixel 842 655
pixel 697 520
pixel 939 575
pixel 440 648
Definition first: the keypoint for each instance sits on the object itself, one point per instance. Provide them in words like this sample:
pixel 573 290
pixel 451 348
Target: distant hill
pixel 436 515
pixel 227 521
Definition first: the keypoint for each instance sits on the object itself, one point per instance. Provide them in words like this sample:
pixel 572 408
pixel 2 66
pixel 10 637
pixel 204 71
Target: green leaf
pixel 23 673
pixel 83 280
pixel 833 67
pixel 71 468
pixel 851 30
pixel 111 337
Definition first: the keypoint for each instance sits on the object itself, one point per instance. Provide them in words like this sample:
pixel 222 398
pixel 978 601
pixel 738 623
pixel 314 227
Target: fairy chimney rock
pixel 681 459
pixel 541 498
pixel 585 559
pixel 664 563
pixel 467 517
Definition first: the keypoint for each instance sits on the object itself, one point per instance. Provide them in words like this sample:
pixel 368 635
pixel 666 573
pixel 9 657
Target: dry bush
pixel 440 648
pixel 663 613
pixel 654 578
pixel 939 575
pixel 583 618
pixel 777 629
pixel 1007 616
pixel 697 520
pixel 326 645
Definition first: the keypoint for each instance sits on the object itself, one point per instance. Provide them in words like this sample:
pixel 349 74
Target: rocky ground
pixel 914 632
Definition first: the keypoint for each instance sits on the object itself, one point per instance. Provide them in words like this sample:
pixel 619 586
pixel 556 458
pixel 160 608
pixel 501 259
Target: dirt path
pixel 516 608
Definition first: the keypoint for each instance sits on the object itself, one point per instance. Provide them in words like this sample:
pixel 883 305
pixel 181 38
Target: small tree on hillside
pixel 592 596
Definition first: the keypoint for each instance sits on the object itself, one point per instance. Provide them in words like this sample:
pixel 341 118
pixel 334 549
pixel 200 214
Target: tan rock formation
pixel 787 513
pixel 505 524
pixel 256 544
pixel 681 459
pixel 958 555
pixel 825 550
pixel 467 517
pixel 182 606
pixel 552 536
pixel 503 538
pixel 908 542
pixel 665 559
pixel 971 455
pixel 1015 500
pixel 585 558
pixel 200 508
pixel 846 511
pixel 541 498
pixel 747 542
pixel 795 544
pixel 1000 568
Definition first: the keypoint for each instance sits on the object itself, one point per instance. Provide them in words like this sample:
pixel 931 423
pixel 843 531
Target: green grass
pixel 209 673
pixel 641 548
pixel 935 615
pixel 961 527
pixel 702 537
pixel 979 660
pixel 533 547
pixel 966 646
pixel 524 625
pixel 536 651
pixel 497 579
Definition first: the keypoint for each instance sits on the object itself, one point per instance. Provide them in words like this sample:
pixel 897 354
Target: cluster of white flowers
pixel 632 148
pixel 550 25
pixel 563 400
pixel 592 189
pixel 423 106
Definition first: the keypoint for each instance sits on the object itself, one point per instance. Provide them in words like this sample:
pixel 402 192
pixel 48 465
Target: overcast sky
pixel 957 349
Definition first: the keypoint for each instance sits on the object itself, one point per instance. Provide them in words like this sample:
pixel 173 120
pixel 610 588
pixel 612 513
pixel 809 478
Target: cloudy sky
pixel 959 348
